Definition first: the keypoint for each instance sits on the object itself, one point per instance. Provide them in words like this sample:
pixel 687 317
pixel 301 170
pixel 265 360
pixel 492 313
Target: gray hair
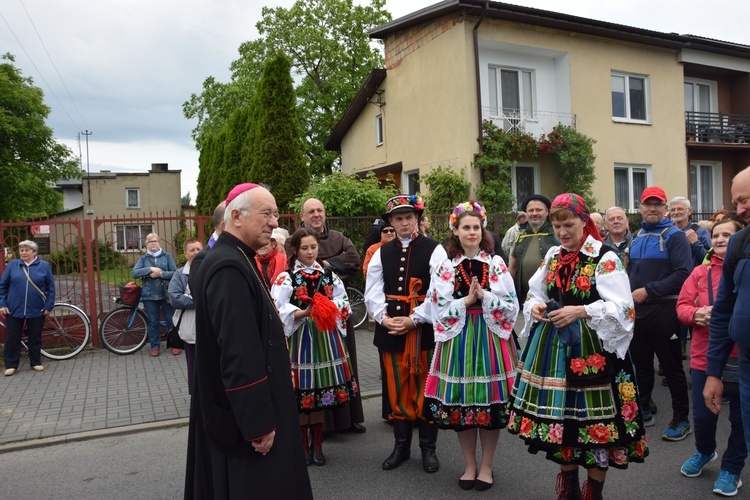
pixel 680 199
pixel 241 202
pixel 29 244
pixel 606 212
pixel 219 214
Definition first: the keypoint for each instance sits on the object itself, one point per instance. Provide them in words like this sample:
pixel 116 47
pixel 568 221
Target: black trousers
pixel 657 331
pixel 13 332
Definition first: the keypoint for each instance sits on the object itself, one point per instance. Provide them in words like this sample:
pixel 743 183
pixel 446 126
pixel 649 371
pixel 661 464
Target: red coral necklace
pixel 467 278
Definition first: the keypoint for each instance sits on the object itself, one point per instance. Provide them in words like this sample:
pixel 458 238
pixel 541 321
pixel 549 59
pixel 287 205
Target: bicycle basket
pixel 129 293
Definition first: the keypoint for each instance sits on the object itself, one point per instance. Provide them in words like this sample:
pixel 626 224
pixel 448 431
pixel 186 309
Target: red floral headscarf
pixel 574 203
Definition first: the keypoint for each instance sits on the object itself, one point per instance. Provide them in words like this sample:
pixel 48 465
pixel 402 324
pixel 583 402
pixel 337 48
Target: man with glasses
pixel 659 262
pixel 338 253
pixel 698 237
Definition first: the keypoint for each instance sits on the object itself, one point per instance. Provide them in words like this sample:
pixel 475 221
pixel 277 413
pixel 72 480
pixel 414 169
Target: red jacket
pixel 694 294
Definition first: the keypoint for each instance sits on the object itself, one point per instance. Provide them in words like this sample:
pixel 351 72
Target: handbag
pixel 173 336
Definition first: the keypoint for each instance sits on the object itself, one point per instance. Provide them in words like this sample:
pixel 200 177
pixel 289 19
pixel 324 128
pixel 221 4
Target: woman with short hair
pixel 27 295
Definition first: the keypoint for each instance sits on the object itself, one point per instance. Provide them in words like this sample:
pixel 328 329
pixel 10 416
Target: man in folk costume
pixel 244 439
pixel 398 278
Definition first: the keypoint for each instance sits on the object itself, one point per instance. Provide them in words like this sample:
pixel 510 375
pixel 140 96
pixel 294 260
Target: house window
pixel 698 96
pixel 132 198
pixel 379 130
pixel 630 95
pixel 411 182
pixel 630 181
pixel 524 181
pixel 705 187
pixel 131 237
pixel 511 91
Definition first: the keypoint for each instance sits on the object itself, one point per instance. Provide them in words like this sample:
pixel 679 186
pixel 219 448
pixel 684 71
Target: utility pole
pixel 88 170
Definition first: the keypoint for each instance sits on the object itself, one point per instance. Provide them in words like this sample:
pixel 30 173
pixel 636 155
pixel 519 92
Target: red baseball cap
pixel 653 192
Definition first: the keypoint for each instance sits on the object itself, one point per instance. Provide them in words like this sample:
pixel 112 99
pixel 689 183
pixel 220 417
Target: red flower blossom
pixel 639 449
pixel 280 279
pixel 446 275
pixel 578 365
pixel 525 429
pixel 550 277
pixel 328 290
pixel 494 278
pixel 497 315
pixel 307 402
pixel 567 453
pixel 342 396
pixel 506 325
pixel 629 410
pixel 301 293
pixel 599 433
pixel 439 328
pixel 483 418
pixel 583 283
pixel 455 417
pixel 451 322
pixel 609 266
pixel 344 314
pixel 597 361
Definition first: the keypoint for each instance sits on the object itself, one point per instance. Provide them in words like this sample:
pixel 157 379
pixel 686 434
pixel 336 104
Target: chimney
pixel 160 167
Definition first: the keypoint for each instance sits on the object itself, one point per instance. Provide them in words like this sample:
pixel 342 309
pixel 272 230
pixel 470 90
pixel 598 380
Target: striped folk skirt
pixel 470 380
pixel 597 425
pixel 321 370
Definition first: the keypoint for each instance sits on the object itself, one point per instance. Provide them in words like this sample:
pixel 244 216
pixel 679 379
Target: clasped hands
pixel 155 272
pixel 264 444
pixel 561 317
pixel 399 325
pixel 702 315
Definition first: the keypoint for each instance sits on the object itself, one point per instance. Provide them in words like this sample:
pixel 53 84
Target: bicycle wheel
pixel 357 303
pixel 66 332
pixel 122 332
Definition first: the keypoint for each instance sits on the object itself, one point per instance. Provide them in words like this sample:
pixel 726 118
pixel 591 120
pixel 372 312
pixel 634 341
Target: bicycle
pixel 124 330
pixel 66 332
pixel 357 304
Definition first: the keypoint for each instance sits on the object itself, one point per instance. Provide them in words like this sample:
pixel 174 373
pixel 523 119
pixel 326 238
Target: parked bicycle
pixel 66 332
pixel 357 304
pixel 124 330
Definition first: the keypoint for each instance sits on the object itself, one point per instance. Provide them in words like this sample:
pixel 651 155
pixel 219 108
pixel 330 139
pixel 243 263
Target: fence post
pixel 93 310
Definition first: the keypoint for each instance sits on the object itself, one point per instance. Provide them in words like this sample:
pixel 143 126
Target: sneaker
pixel 677 430
pixel 648 419
pixel 694 465
pixel 10 372
pixel 154 353
pixel 38 368
pixel 727 484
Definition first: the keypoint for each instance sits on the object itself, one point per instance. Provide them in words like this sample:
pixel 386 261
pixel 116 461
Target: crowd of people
pixel 574 382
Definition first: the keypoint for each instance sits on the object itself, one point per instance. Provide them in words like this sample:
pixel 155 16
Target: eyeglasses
pixel 653 205
pixel 267 214
pixel 388 231
pixel 152 241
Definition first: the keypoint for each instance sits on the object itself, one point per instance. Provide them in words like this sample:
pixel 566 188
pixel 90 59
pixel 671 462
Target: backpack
pixel 642 233
pixel 739 250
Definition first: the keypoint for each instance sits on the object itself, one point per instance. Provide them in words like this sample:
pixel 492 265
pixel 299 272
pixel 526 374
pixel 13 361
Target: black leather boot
pixel 317 445
pixel 306 443
pixel 592 489
pixel 568 487
pixel 402 431
pixel 428 434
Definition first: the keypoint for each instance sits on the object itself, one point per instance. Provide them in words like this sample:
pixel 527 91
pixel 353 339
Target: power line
pixel 53 63
pixel 40 73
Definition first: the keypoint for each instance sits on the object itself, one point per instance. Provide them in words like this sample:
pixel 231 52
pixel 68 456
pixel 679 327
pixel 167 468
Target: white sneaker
pixel 10 372
pixel 38 368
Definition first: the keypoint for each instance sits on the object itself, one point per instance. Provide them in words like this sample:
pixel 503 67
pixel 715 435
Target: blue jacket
pixel 700 247
pixel 662 271
pixel 20 296
pixel 730 316
pixel 154 288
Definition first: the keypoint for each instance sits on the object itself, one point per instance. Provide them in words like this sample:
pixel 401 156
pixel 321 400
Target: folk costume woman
pixel 313 307
pixel 471 374
pixel 575 396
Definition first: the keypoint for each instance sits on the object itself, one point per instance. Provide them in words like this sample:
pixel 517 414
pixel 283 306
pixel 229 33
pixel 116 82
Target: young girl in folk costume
pixel 575 396
pixel 313 307
pixel 475 358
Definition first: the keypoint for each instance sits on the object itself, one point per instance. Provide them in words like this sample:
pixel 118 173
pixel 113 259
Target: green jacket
pixel 547 241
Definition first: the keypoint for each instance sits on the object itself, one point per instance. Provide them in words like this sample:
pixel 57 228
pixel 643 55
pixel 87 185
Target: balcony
pixel 536 123
pixel 717 128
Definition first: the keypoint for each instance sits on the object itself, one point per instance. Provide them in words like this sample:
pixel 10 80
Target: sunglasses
pixel 388 231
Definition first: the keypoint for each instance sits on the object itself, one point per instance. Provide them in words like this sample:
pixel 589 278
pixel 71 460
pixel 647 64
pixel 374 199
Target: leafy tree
pixel 30 158
pixel 278 160
pixel 331 56
pixel 185 200
pixel 447 188
pixel 345 196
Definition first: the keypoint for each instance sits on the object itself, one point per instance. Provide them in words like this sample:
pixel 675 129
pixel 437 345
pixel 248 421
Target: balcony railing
pixel 717 128
pixel 536 123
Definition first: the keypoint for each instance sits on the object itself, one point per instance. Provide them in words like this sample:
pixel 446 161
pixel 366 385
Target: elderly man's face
pixel 617 222
pixel 314 214
pixel 741 194
pixel 679 213
pixel 536 213
pixel 256 225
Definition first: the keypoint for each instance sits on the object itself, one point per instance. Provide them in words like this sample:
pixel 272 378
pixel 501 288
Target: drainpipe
pixel 476 67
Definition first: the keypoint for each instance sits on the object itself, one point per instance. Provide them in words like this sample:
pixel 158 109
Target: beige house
pixel 665 109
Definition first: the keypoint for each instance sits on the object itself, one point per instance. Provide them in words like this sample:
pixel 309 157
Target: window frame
pixel 406 181
pixel 632 206
pixel 494 85
pixel 379 133
pixel 514 183
pixel 127 198
pixel 716 189
pixel 646 97
pixel 144 229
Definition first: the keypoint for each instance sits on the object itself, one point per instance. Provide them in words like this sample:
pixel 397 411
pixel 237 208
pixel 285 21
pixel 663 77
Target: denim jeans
pixel 704 424
pixel 153 307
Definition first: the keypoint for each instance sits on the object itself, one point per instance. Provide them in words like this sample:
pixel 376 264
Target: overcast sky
pixel 122 69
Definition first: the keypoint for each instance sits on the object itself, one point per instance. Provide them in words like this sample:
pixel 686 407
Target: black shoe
pixel 466 484
pixel 402 432
pixel 483 485
pixel 428 434
pixel 357 428
pixel 652 407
